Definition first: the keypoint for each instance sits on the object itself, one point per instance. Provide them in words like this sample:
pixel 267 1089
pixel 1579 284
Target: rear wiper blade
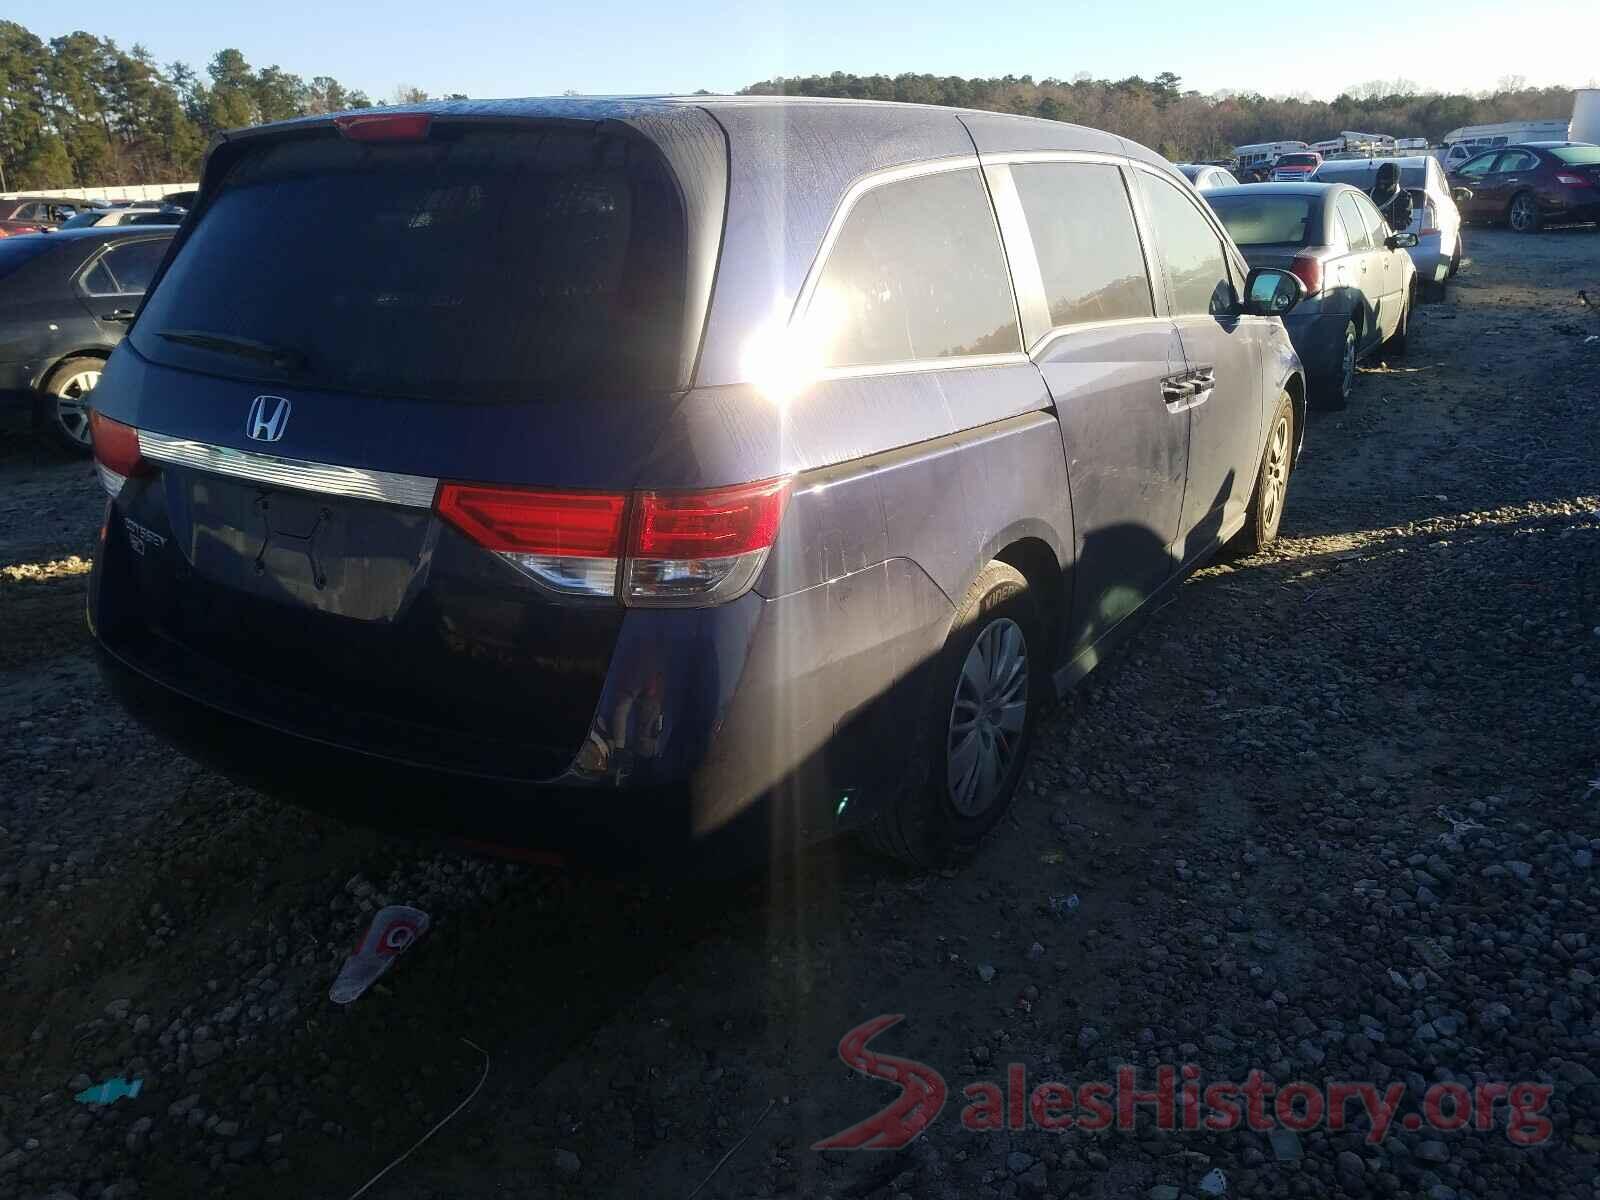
pixel 225 343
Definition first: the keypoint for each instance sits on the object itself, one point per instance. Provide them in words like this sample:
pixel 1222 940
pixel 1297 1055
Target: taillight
pixel 1308 271
pixel 701 547
pixel 1430 221
pixel 116 451
pixel 568 541
pixel 1572 180
pixel 385 127
pixel 666 548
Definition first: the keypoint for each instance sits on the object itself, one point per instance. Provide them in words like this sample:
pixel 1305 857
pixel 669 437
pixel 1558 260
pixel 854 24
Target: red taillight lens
pixel 714 524
pixel 554 524
pixel 1573 180
pixel 385 127
pixel 116 451
pixel 683 548
pixel 1309 272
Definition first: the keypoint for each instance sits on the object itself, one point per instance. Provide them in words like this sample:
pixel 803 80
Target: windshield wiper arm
pixel 226 343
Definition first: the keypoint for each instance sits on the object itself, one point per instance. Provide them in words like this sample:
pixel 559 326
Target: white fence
pixel 117 191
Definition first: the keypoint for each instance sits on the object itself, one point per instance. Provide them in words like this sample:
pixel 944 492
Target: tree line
pixel 81 111
pixel 1184 125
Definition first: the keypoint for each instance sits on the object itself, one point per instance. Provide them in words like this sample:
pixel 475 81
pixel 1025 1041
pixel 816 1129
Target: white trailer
pixel 1264 154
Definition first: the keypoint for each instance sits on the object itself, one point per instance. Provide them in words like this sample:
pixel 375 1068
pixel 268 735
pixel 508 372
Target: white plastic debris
pixel 1214 1182
pixel 392 931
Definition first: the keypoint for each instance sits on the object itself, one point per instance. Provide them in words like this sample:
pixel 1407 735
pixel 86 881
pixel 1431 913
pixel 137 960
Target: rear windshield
pixel 1254 220
pixel 1577 156
pixel 479 266
pixel 1298 160
pixel 1364 174
pixel 18 249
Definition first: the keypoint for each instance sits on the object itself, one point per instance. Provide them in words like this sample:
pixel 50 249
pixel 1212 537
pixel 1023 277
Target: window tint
pixel 492 266
pixel 1476 166
pixel 1086 242
pixel 134 265
pixel 1355 229
pixel 1197 268
pixel 1578 156
pixel 916 272
pixel 1516 160
pixel 1262 219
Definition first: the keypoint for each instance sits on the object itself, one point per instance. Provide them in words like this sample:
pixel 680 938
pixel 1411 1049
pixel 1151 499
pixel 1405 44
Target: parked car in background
pixel 30 214
pixel 65 302
pixel 465 450
pixel 1434 217
pixel 1358 279
pixel 1532 184
pixel 1205 175
pixel 134 214
pixel 1292 167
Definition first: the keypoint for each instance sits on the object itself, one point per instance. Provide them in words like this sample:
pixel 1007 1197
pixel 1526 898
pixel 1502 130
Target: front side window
pixel 1197 267
pixel 1377 227
pixel 1087 244
pixel 1355 229
pixel 915 273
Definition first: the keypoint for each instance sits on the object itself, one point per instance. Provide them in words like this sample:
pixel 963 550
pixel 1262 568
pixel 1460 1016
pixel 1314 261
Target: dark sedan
pixel 1358 277
pixel 65 301
pixel 1532 184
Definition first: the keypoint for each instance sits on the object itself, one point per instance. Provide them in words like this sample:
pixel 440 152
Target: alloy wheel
pixel 1275 480
pixel 71 404
pixel 987 717
pixel 1347 369
pixel 1524 214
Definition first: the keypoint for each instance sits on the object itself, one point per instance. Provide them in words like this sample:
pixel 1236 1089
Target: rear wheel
pixel 975 728
pixel 62 412
pixel 1333 389
pixel 1265 513
pixel 1523 215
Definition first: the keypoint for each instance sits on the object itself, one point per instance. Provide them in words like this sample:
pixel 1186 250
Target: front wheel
pixel 1272 483
pixel 1523 215
pixel 1395 346
pixel 1455 258
pixel 975 729
pixel 62 411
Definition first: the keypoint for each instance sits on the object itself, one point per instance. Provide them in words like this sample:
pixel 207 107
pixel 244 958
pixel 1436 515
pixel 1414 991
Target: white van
pixel 1461 144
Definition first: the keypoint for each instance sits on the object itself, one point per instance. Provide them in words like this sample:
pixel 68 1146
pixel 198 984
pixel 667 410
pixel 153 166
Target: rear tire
pixel 1332 390
pixel 975 728
pixel 1523 215
pixel 1265 513
pixel 1455 258
pixel 61 412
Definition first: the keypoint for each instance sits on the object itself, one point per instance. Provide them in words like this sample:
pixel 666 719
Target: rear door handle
pixel 118 314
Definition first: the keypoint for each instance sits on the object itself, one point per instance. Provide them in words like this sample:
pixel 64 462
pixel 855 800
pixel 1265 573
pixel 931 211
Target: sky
pixel 496 48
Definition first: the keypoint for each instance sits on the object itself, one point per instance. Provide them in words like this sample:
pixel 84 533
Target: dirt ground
pixel 1333 816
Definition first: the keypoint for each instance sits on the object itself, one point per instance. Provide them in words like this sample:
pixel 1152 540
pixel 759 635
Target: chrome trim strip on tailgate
pixel 386 487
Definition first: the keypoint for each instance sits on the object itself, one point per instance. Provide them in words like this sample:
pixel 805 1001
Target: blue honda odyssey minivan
pixel 662 477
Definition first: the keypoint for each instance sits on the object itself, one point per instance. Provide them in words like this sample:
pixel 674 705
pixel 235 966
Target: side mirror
pixel 1269 292
pixel 1461 195
pixel 1400 241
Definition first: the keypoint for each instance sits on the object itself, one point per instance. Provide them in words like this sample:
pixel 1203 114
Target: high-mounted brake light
pixel 116 451
pixel 667 548
pixel 385 127
pixel 1309 271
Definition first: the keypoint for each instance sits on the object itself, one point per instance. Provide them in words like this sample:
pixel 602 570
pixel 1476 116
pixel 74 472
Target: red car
pixel 1296 167
pixel 1531 184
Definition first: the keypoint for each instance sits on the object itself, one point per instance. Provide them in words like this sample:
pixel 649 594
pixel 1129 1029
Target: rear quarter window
pixel 496 265
pixel 915 273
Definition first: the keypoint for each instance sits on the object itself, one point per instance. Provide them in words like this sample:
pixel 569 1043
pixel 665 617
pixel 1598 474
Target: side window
pixel 916 273
pixel 134 266
pixel 1476 166
pixel 1377 228
pixel 1516 160
pixel 1355 229
pixel 1197 266
pixel 1087 244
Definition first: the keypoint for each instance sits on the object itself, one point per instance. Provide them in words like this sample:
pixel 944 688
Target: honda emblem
pixel 264 425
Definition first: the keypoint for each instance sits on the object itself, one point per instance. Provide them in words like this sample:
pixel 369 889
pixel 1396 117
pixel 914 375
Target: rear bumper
pixel 1569 208
pixel 1431 259
pixel 722 733
pixel 1318 339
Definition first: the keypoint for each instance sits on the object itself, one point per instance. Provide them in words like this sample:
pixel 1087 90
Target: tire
pixel 941 815
pixel 61 412
pixel 1265 513
pixel 1455 259
pixel 1523 214
pixel 1395 346
pixel 1332 390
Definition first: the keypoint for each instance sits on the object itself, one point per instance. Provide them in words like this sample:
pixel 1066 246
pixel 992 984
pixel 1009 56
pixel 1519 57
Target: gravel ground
pixel 1333 816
